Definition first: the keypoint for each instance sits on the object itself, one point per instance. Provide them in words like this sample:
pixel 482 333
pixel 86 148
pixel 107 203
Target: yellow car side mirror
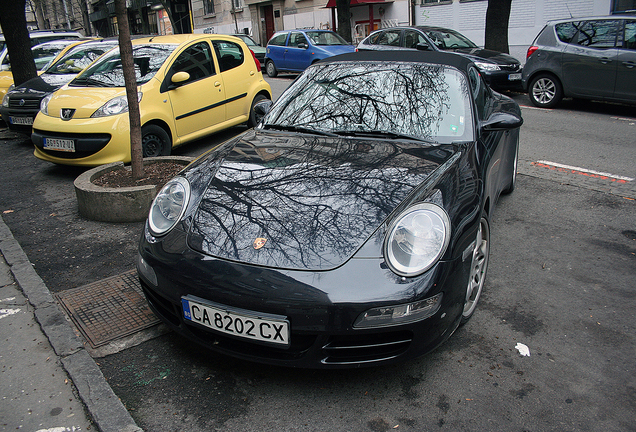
pixel 180 77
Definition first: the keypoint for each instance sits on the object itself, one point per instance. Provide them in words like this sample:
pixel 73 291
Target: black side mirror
pixel 303 45
pixel 422 46
pixel 261 109
pixel 502 121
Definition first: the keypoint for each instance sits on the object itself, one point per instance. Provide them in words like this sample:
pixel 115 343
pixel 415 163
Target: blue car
pixel 295 50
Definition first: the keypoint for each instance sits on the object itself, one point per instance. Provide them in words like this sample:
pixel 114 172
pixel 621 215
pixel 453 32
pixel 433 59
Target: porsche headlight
pixel 114 106
pixel 44 105
pixel 169 205
pixel 417 239
pixel 486 66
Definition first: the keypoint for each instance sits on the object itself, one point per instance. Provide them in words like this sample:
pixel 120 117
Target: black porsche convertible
pixel 351 227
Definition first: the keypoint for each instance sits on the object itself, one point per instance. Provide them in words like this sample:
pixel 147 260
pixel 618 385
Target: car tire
pixel 254 119
pixel 155 141
pixel 478 268
pixel 513 174
pixel 545 91
pixel 270 68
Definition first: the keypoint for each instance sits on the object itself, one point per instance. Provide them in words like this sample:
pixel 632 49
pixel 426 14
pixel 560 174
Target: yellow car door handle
pixel 217 84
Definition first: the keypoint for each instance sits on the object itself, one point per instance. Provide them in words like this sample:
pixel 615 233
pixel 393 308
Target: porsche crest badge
pixel 259 243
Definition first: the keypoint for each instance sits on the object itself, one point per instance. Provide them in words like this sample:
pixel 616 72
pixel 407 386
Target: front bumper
pixel 97 141
pixel 321 306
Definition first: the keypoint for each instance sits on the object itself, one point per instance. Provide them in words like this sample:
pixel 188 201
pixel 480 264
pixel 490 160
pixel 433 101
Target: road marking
pixel 7 312
pixel 536 108
pixel 61 429
pixel 583 171
pixel 627 119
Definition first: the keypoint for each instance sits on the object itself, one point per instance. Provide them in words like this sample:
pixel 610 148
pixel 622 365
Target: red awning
pixel 332 3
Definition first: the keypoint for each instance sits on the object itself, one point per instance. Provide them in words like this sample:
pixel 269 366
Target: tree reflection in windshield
pixel 420 100
pixel 315 199
pixel 79 58
pixel 109 73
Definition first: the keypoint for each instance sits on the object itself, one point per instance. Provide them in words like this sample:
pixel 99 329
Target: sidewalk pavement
pixel 48 381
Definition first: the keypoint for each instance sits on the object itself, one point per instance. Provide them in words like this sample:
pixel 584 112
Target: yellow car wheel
pixel 155 141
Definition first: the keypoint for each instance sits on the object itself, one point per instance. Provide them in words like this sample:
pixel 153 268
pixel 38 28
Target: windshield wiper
pixel 300 129
pixel 382 134
pixel 91 82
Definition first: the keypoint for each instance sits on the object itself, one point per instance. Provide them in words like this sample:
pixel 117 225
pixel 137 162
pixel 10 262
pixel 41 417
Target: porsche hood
pixel 302 202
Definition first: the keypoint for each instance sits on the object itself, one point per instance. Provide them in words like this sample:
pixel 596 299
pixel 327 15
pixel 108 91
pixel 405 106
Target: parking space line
pixel 535 108
pixel 627 119
pixel 583 171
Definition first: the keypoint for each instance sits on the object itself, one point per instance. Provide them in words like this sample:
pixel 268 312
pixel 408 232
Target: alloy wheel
pixel 544 91
pixel 478 267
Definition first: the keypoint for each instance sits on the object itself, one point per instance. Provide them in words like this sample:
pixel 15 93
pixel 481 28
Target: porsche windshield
pixel 398 100
pixel 108 71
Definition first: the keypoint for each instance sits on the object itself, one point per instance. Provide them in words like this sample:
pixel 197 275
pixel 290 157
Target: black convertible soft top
pixel 434 57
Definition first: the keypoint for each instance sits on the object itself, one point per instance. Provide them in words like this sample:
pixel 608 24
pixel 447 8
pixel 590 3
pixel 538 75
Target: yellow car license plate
pixel 59 144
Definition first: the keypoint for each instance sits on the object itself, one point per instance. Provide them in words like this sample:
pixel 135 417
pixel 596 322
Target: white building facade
pixel 261 18
pixel 527 18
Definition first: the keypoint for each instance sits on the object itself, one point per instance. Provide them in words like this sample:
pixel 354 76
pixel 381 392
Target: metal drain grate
pixel 108 309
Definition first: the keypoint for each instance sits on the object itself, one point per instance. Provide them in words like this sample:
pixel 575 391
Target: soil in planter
pixel 154 174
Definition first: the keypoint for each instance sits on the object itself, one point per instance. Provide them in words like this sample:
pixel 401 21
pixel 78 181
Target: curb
pixel 105 408
pixel 123 204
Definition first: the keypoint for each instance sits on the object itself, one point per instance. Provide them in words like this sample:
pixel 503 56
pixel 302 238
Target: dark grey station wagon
pixel 586 58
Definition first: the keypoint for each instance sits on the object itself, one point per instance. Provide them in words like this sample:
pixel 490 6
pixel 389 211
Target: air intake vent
pixel 366 349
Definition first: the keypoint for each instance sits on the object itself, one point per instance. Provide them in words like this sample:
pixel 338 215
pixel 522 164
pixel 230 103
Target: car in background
pixel 189 86
pixel 350 228
pixel 584 58
pixel 43 55
pixel 21 105
pixel 41 36
pixel 501 71
pixel 295 50
pixel 258 50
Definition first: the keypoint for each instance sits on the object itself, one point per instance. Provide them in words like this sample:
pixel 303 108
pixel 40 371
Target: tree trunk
pixel 497 18
pixel 14 26
pixel 344 19
pixel 128 66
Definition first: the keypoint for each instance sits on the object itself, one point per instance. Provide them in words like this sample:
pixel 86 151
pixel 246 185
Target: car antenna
pixel 568 7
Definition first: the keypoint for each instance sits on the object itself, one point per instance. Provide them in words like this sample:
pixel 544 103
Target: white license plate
pixel 59 144
pixel 28 121
pixel 514 77
pixel 265 328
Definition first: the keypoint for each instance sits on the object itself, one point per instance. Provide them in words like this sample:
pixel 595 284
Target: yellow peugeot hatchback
pixel 189 86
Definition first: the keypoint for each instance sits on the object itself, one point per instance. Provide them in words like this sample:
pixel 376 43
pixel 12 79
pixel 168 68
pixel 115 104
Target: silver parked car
pixel 586 58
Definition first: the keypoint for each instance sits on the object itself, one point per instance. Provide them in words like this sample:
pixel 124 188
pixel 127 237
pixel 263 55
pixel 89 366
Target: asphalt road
pixel 560 281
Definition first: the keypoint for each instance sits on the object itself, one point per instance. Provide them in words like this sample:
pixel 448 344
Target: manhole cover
pixel 108 309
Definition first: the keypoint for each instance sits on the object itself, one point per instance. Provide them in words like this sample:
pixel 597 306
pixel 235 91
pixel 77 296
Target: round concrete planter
pixel 126 204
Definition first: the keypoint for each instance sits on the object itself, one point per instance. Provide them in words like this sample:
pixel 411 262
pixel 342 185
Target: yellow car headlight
pixel 117 105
